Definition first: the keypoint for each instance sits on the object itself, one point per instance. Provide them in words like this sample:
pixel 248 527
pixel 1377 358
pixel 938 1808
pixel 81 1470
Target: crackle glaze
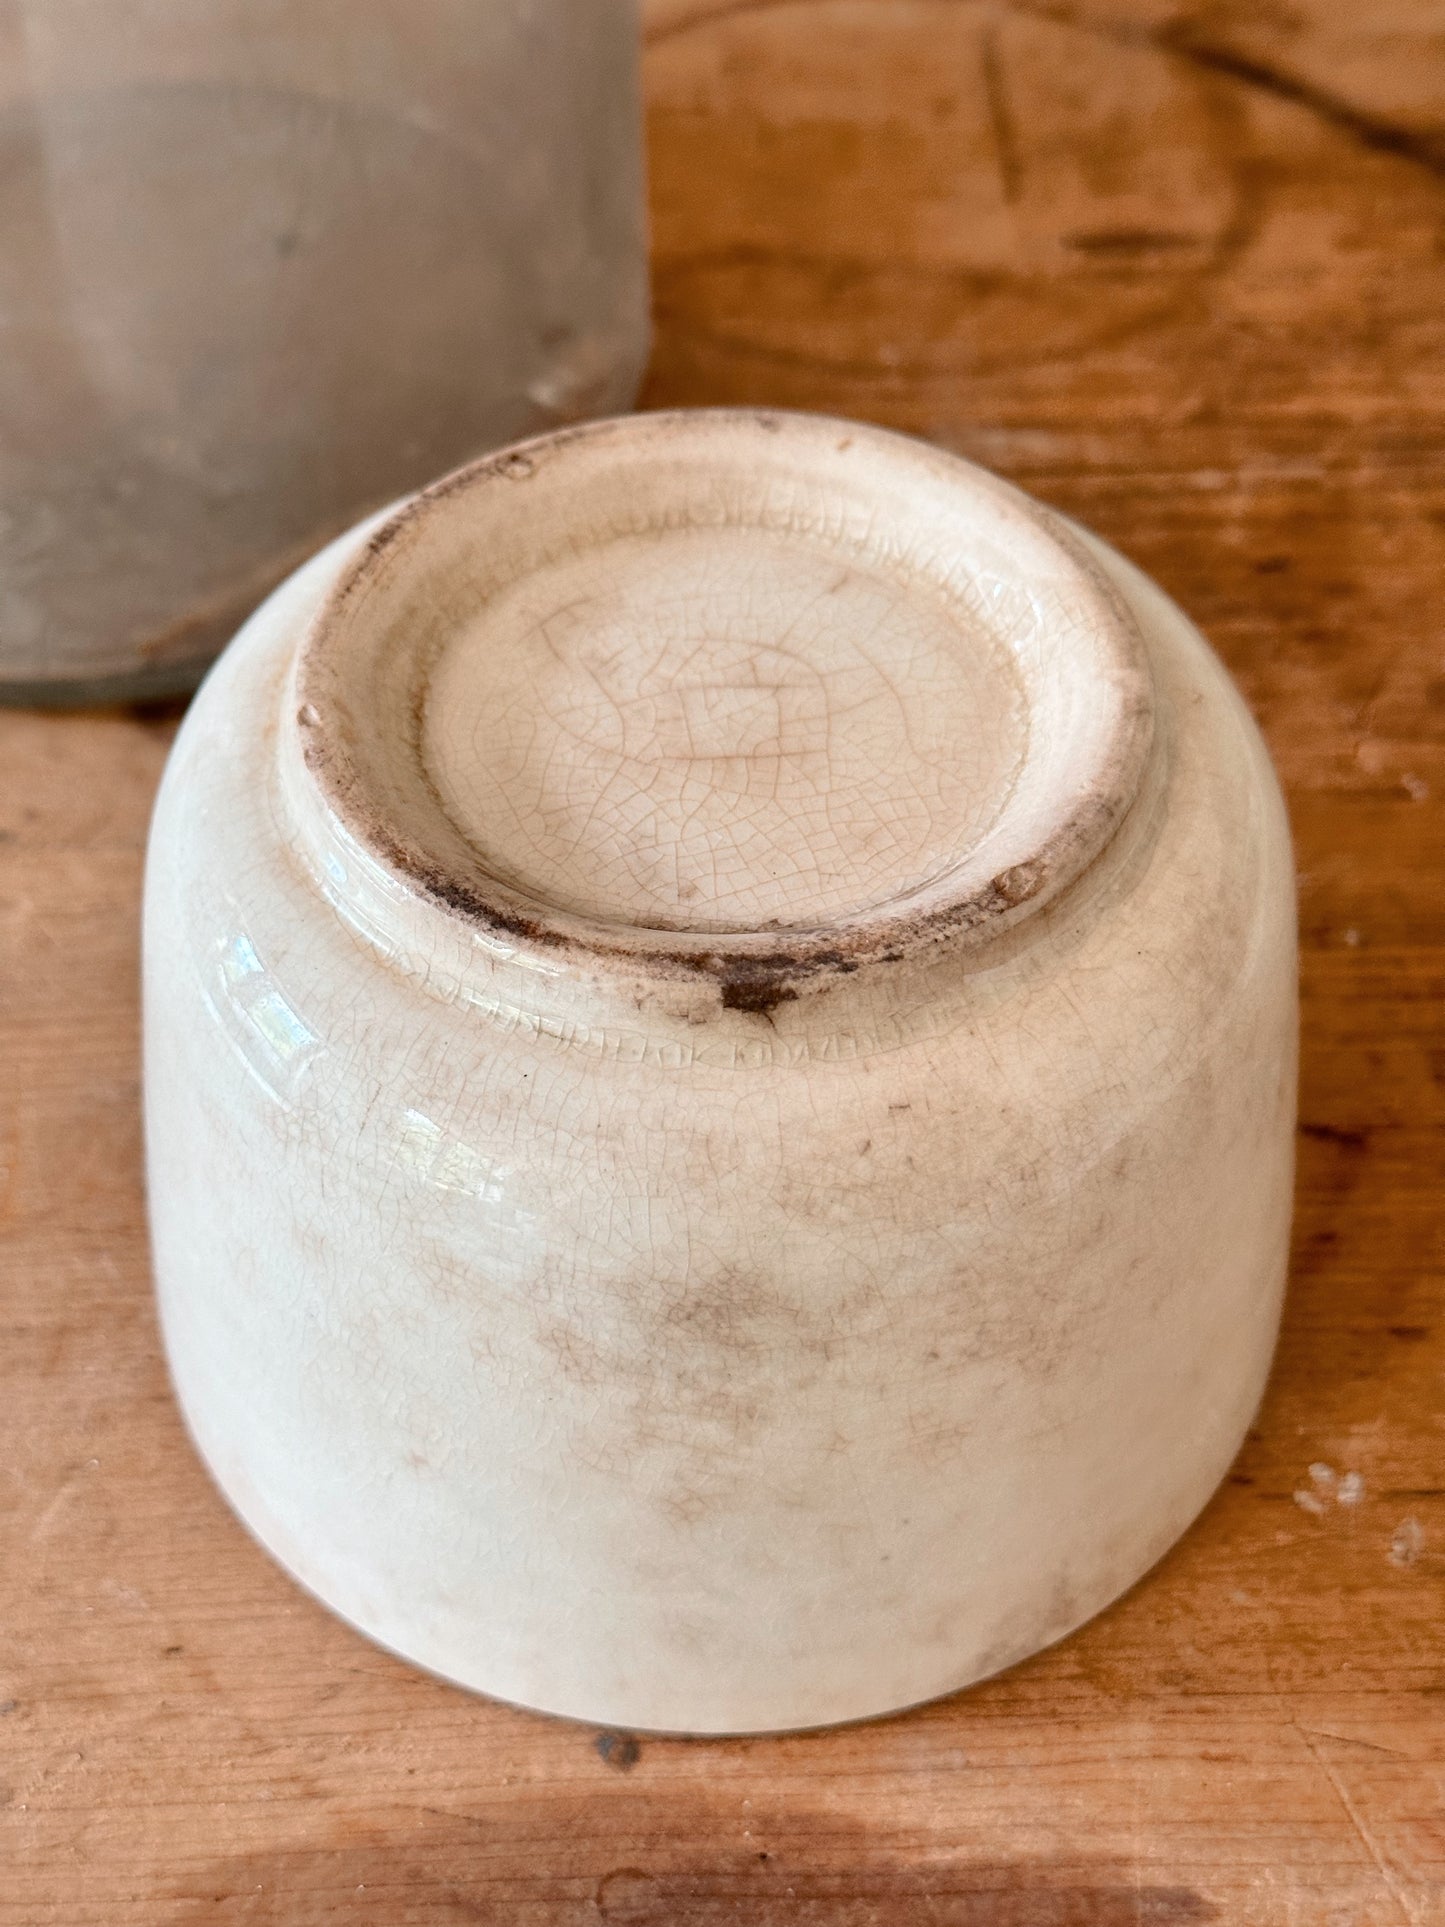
pixel 720 1059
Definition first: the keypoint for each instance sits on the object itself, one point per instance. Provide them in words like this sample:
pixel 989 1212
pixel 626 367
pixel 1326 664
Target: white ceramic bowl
pixel 720 1059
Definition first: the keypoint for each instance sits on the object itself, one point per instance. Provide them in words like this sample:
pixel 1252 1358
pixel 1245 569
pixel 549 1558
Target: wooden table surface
pixel 1180 269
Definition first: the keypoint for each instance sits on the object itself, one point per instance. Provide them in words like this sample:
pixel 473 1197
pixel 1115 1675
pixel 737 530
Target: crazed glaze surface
pixel 720 1073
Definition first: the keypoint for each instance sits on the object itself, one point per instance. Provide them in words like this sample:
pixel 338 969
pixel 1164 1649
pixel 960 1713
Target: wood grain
pixel 1179 269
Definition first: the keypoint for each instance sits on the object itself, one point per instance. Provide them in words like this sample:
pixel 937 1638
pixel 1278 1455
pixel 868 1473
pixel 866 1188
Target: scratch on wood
pixel 1366 1838
pixel 1005 134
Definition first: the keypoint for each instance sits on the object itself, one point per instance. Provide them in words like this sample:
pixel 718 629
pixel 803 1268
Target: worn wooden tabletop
pixel 1180 269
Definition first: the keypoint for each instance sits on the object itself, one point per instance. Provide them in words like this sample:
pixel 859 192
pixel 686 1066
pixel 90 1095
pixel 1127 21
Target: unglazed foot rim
pixel 852 734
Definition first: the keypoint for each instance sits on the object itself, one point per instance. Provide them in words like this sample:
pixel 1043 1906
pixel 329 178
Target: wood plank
pixel 1176 267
